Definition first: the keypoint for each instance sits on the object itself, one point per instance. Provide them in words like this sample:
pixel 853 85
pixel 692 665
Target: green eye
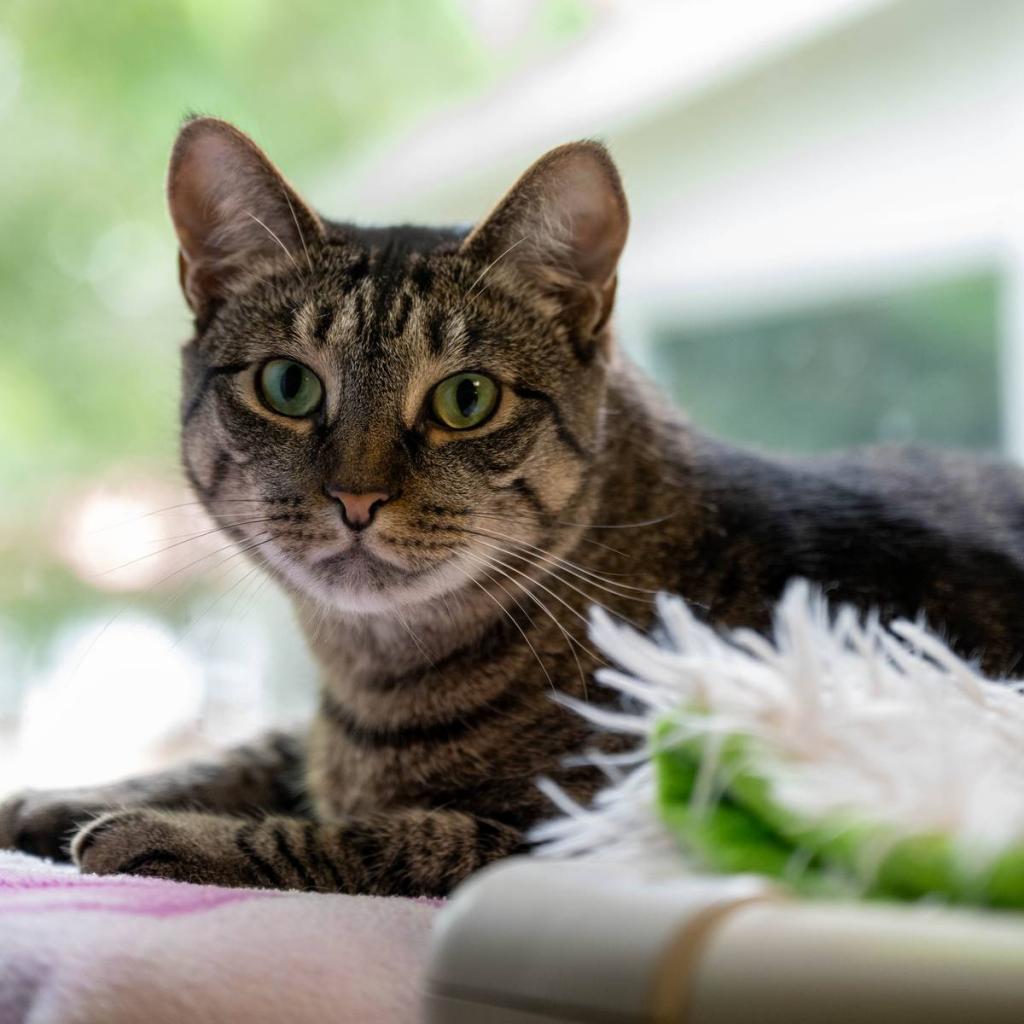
pixel 465 400
pixel 290 388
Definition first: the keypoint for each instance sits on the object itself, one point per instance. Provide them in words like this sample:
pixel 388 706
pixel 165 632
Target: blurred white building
pixel 777 157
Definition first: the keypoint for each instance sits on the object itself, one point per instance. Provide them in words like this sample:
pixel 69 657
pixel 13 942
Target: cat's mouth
pixel 356 576
pixel 357 565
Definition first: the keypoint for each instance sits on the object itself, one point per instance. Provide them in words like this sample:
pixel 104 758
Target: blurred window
pixel 916 365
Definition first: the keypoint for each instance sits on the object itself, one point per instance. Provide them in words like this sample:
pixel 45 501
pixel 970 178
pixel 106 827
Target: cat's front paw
pixel 182 847
pixel 43 823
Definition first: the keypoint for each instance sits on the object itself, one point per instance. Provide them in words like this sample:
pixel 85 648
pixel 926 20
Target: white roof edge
pixel 685 54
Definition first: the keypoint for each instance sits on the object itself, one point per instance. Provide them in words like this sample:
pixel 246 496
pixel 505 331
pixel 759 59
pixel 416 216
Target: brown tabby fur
pixel 441 652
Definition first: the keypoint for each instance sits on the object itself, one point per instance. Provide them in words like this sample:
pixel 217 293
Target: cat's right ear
pixel 230 205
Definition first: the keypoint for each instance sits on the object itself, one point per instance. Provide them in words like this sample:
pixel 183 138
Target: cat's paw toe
pixel 43 823
pixel 182 847
pixel 131 842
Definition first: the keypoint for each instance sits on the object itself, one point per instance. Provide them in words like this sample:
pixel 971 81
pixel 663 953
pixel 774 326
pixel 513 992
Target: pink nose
pixel 358 510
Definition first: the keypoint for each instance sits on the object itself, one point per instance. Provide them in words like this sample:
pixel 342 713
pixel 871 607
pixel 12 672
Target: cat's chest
pixel 344 780
pixel 467 724
pixel 372 748
pixel 362 759
pixel 349 775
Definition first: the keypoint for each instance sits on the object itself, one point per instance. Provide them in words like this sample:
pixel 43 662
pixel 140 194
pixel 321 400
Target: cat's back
pixel 906 529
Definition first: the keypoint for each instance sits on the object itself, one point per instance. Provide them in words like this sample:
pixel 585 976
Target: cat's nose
pixel 358 510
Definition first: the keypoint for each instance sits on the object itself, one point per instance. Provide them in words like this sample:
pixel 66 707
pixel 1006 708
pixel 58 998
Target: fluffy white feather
pixel 884 722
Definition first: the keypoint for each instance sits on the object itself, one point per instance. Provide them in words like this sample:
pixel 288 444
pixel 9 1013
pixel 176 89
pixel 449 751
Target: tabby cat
pixel 429 438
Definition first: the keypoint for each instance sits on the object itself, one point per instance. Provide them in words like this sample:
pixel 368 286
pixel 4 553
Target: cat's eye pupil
pixel 467 395
pixel 291 381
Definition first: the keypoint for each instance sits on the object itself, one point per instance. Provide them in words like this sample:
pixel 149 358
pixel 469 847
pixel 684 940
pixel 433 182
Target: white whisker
pixel 570 638
pixel 511 618
pixel 298 228
pixel 284 248
pixel 483 273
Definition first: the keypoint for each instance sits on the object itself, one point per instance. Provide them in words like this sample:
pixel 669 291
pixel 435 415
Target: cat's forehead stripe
pixel 436 330
pixel 323 320
pixel 400 317
pixel 422 276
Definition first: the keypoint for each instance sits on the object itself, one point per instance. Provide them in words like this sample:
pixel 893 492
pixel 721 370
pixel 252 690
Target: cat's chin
pixel 419 590
pixel 362 583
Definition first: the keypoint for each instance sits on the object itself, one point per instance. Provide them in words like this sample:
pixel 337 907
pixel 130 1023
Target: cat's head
pixel 382 415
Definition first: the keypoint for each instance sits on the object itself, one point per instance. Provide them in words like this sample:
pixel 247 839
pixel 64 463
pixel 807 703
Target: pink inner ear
pixel 192 192
pixel 216 181
pixel 597 221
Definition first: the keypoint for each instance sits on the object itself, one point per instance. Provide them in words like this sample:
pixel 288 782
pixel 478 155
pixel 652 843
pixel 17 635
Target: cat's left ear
pixel 564 224
pixel 230 206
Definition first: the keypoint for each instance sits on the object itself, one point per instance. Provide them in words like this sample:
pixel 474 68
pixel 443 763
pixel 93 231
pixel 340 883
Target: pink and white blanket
pixel 117 950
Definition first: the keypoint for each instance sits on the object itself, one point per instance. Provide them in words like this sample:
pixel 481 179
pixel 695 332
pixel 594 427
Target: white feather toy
pixel 842 756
